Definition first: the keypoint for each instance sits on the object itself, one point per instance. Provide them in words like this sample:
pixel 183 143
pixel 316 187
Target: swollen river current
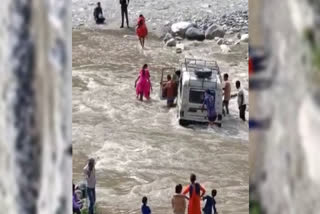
pixel 139 146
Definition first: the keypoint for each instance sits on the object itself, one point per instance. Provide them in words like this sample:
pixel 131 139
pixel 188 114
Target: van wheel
pixel 183 122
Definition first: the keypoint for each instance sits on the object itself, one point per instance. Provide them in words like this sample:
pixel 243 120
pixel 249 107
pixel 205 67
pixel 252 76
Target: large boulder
pixel 180 28
pixel 171 42
pixel 194 34
pixel 214 31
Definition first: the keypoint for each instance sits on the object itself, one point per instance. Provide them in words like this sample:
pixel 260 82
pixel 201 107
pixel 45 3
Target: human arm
pixel 214 209
pixel 186 190
pixel 203 191
pixel 75 203
pixel 135 83
pixel 241 97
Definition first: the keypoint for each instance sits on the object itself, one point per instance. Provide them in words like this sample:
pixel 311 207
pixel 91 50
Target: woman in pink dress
pixel 141 30
pixel 143 83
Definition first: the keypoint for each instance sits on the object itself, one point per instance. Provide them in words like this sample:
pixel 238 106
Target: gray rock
pixel 194 34
pixel 214 31
pixel 171 43
pixel 220 41
pixel 167 37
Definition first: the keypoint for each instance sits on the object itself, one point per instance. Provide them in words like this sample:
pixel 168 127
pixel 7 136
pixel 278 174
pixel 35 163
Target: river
pixel 139 146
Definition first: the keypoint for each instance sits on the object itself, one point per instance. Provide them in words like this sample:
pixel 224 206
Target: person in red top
pixel 170 87
pixel 141 30
pixel 196 192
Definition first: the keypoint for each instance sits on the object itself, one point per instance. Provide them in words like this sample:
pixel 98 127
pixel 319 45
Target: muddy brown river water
pixel 139 147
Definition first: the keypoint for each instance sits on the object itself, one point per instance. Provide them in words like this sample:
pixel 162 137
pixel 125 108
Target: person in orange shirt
pixel 196 192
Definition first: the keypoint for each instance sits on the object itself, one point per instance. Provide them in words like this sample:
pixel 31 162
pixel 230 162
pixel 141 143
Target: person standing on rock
pixel 90 175
pixel 196 192
pixel 141 29
pixel 124 11
pixel 98 14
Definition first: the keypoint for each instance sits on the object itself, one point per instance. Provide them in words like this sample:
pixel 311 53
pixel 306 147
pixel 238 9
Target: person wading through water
pixel 124 11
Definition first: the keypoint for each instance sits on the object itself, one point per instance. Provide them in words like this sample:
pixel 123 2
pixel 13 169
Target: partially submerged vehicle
pixel 196 77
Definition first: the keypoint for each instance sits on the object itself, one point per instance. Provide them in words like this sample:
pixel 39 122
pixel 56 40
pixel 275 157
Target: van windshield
pixel 196 96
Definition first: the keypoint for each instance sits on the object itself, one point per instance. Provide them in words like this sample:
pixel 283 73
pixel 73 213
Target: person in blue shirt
pixel 144 208
pixel 210 203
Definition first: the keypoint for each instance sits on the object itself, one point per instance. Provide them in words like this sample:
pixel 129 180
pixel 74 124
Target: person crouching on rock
pixel 141 30
pixel 98 14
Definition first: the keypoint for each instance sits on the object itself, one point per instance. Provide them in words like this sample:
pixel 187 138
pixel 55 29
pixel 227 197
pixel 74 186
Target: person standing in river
pixel 124 11
pixel 90 175
pixel 141 30
pixel 196 192
pixel 226 94
pixel 143 83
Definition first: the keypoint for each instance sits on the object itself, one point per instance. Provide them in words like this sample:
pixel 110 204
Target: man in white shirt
pixel 241 101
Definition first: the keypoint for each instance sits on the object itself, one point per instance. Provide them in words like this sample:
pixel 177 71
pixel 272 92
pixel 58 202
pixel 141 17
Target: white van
pixel 196 77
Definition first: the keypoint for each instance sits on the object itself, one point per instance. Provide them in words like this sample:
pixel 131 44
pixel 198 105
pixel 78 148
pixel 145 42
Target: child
pixel 210 203
pixel 144 208
pixel 178 201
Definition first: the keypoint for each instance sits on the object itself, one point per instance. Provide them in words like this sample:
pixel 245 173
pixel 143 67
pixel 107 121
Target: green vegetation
pixel 310 37
pixel 255 207
pixel 86 211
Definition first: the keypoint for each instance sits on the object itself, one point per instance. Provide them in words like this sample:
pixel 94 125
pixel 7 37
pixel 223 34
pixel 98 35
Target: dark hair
pixel 169 77
pixel 140 15
pixel 193 178
pixel 178 73
pixel 238 84
pixel 98 3
pixel 214 192
pixel 145 66
pixel 179 188
pixel 91 164
pixel 144 200
pixel 225 76
pixel 73 188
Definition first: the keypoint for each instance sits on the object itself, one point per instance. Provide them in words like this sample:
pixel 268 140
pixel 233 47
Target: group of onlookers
pixel 192 193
